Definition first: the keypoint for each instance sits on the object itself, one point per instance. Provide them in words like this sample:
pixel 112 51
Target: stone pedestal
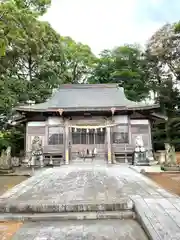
pixel 145 158
pixel 140 158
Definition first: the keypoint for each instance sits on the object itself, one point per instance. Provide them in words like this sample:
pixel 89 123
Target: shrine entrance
pixel 88 141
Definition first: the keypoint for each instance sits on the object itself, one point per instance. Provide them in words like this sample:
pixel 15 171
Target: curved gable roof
pixel 87 97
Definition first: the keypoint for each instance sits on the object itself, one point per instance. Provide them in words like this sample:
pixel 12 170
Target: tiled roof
pixel 88 97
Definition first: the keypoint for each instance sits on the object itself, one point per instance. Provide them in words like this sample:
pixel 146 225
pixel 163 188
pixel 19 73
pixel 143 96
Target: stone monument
pixel 36 152
pixel 5 161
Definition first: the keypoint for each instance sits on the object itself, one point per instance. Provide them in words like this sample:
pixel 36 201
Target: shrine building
pixel 86 116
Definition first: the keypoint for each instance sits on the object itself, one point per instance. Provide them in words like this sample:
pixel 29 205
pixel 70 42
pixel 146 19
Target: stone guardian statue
pixel 5 161
pixel 170 155
pixel 139 152
pixel 36 152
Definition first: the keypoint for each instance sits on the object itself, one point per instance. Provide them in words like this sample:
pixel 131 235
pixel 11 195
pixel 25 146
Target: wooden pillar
pixel 27 140
pixel 129 130
pixel 150 135
pixel 66 144
pixel 108 129
pixel 46 141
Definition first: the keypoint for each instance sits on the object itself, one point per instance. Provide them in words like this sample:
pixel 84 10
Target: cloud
pixel 104 24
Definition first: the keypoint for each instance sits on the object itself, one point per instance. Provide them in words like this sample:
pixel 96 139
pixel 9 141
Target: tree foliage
pixel 76 62
pixel 123 65
pixel 153 72
pixel 103 68
pixel 29 44
pixel 38 7
pixel 34 58
pixel 130 71
pixel 163 61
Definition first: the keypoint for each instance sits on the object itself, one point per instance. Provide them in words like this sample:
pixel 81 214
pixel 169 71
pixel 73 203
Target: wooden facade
pixel 109 136
pixel 68 127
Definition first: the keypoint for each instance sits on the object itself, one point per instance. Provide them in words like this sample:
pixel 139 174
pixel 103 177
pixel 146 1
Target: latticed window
pixel 120 134
pixel 55 135
pixel 88 136
pixel 100 136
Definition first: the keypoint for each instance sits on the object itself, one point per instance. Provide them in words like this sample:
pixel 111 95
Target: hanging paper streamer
pixel 93 127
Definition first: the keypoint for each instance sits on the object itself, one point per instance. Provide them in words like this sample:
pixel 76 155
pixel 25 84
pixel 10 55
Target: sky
pixel 105 24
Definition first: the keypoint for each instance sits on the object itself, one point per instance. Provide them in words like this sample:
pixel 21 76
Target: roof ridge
pixel 83 86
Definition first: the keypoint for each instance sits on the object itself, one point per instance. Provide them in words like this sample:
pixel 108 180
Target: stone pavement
pixel 78 230
pixel 91 187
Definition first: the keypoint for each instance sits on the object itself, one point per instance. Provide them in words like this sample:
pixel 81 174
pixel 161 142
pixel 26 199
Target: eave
pixel 88 109
pixel 159 116
pixel 17 121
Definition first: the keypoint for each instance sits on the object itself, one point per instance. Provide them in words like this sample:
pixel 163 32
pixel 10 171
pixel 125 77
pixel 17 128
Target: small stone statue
pixel 170 154
pixel 36 152
pixel 5 161
pixel 15 162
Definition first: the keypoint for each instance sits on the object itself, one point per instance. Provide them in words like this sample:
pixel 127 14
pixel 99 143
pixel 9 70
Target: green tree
pixel 124 65
pixel 163 63
pixel 14 15
pixel 76 62
pixel 26 45
pixel 29 50
pixel 130 71
pixel 103 68
pixel 38 7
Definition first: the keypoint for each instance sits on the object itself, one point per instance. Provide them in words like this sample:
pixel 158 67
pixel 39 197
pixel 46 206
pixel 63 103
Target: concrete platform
pixel 82 230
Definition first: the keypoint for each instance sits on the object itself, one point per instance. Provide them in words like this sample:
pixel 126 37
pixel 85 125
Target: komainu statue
pixel 139 144
pixel 5 161
pixel 139 152
pixel 170 155
pixel 36 152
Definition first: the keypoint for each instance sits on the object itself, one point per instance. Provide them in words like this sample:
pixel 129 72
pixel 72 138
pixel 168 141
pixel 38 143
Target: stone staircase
pixel 79 160
pixel 57 161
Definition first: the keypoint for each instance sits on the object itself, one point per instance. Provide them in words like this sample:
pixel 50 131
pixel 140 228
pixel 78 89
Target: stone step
pixel 68 216
pixel 88 161
pixel 55 207
pixel 110 229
